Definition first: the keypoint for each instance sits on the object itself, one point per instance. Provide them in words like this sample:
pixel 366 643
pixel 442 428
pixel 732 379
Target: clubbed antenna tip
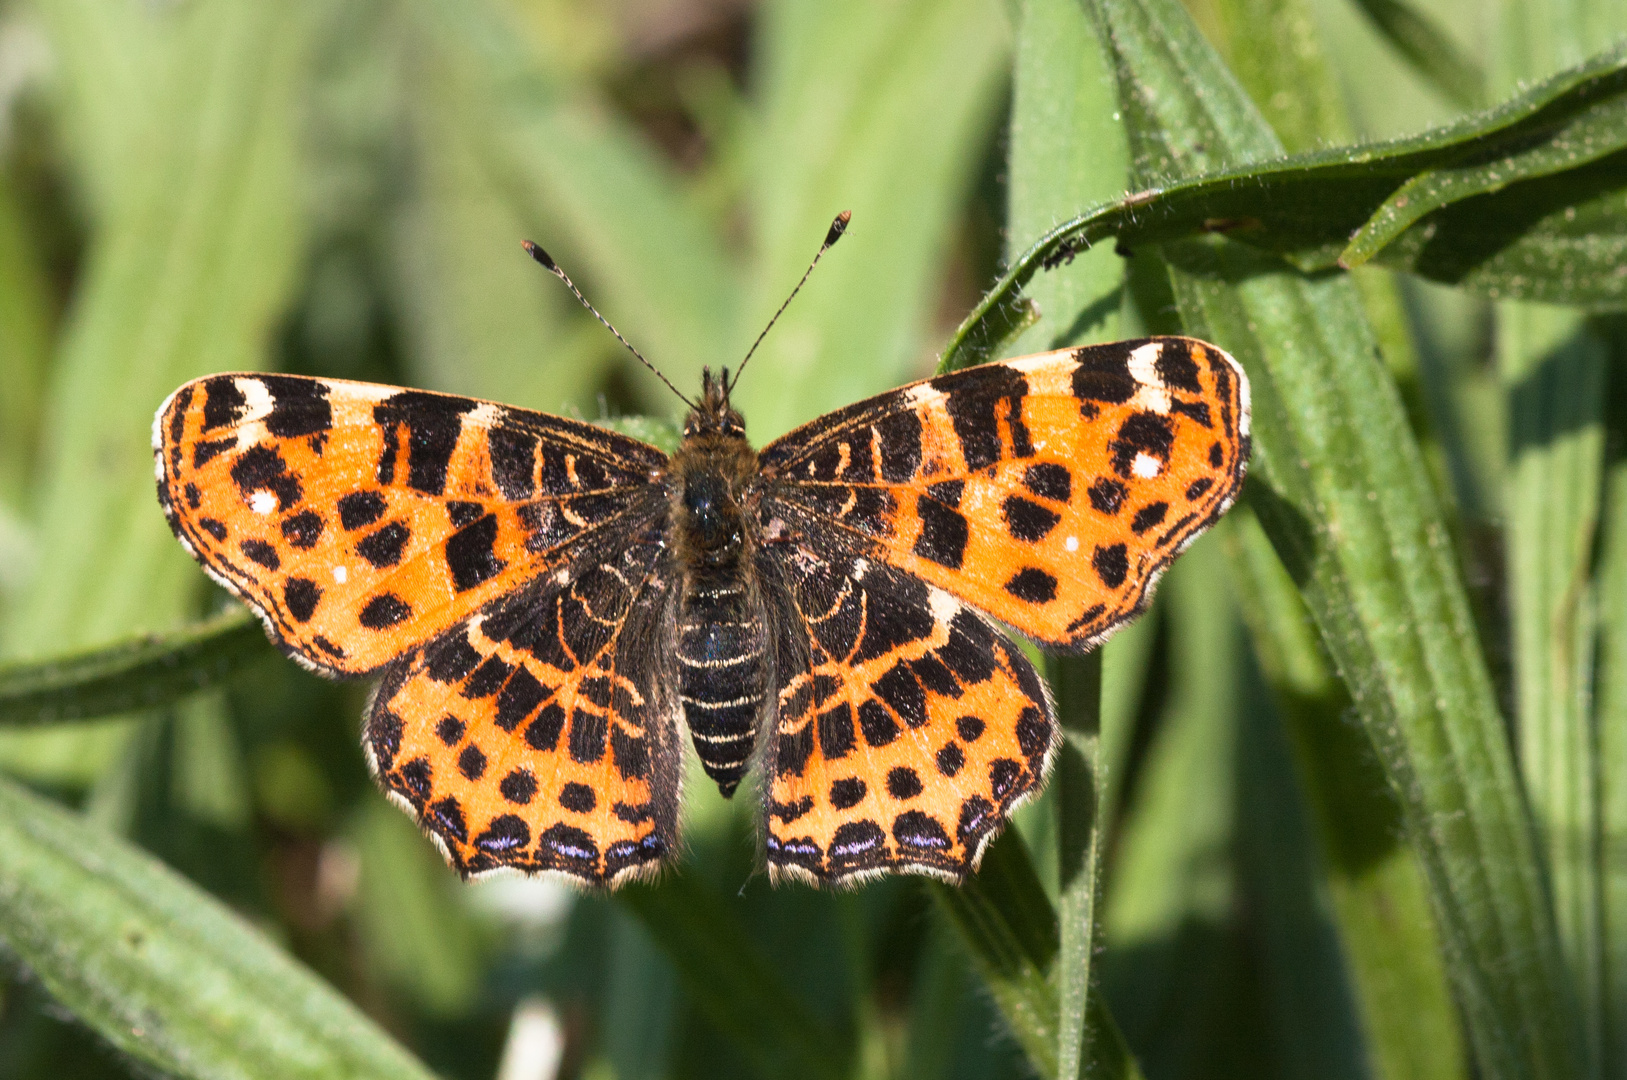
pixel 837 228
pixel 536 252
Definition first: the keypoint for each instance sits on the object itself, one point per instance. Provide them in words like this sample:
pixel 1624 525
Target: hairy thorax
pixel 722 663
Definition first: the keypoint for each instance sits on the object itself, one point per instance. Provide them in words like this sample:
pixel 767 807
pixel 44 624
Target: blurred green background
pixel 339 187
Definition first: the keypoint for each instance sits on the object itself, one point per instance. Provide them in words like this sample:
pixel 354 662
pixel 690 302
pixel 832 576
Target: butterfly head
pixel 714 415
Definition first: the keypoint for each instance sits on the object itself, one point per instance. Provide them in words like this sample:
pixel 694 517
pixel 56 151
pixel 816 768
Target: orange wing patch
pixel 1051 491
pixel 538 737
pixel 907 738
pixel 360 521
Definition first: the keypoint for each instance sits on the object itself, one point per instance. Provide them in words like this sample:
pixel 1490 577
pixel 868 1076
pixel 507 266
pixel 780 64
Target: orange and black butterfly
pixel 551 606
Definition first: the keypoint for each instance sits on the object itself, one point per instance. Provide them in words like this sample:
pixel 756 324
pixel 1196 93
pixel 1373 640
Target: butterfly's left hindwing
pixel 1050 491
pixel 361 521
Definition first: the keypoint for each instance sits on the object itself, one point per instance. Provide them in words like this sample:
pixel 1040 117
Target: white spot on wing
pixel 484 415
pixel 1071 543
pixel 257 399
pixel 1143 364
pixel 1146 466
pixel 944 606
pixel 340 574
pixel 921 393
pixel 263 502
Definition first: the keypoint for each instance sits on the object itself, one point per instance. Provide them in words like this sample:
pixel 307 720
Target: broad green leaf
pixel 1548 225
pixel 164 972
pixel 189 268
pixel 143 673
pixel 1347 503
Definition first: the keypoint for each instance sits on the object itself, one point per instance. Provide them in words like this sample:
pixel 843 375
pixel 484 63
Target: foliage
pixel 1347 803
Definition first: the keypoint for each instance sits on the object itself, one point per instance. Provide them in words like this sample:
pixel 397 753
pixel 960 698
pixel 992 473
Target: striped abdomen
pixel 721 676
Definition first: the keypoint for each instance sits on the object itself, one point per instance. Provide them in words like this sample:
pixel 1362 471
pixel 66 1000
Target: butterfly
pixel 550 606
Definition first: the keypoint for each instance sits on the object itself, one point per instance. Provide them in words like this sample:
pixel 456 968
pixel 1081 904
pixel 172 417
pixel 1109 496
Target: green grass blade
pixel 1611 718
pixel 25 347
pixel 1554 369
pixel 1347 503
pixel 729 979
pixel 186 274
pixel 480 317
pixel 885 110
pixel 608 207
pixel 1008 926
pixel 143 673
pixel 164 972
pixel 1429 49
pixel 1172 969
pixel 1066 148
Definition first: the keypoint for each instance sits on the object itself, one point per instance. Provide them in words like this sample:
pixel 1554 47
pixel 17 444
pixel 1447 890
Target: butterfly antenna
pixel 548 264
pixel 837 228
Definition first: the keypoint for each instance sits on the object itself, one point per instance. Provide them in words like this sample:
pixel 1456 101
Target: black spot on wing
pixel 1027 521
pixel 836 731
pixel 1196 411
pixel 384 547
pixel 900 446
pixel 975 400
pixel 472 762
pixel 944 533
pixel 303 530
pixel 513 461
pixel 1049 480
pixel 262 468
pixel 214 528
pixel 578 798
pixel 300 596
pixel 451 659
pixel 1032 585
pixel 461 513
pixel 1176 367
pixel 1198 487
pixel 1112 565
pixel 1148 516
pixel 449 729
pixel 847 793
pixel 262 553
pixel 432 424
pixel 384 611
pixel 903 783
pixel 360 508
pixel 947 492
pixel 1107 495
pixel 1142 433
pixel 857 845
pixel 470 555
pixel 919 833
pixel 223 402
pixel 298 406
pixel 543 732
pixel 1103 374
pixel 205 452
